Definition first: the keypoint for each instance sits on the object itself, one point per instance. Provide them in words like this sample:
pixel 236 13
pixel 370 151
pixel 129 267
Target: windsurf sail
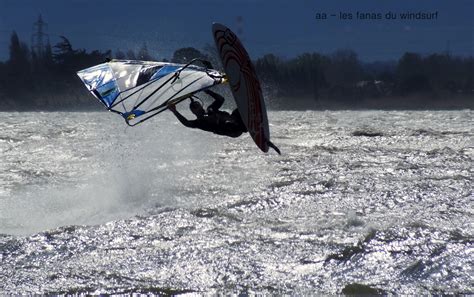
pixel 139 90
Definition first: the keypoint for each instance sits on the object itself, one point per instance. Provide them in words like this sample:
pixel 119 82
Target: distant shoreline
pixel 385 103
pixel 296 108
pixel 281 103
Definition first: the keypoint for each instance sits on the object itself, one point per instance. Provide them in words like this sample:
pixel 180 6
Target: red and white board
pixel 244 84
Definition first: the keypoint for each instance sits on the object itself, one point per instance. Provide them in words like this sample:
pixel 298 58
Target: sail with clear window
pixel 139 90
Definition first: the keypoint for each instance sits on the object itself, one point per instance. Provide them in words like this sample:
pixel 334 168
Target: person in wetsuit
pixel 212 119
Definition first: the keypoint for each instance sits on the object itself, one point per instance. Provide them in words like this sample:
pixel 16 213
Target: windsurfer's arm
pixel 218 100
pixel 181 118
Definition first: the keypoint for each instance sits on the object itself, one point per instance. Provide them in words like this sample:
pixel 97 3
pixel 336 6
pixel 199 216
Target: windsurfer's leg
pixel 238 119
pixel 218 100
pixel 232 127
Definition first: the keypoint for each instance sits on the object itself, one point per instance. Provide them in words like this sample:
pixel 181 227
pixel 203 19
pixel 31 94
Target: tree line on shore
pixel 46 80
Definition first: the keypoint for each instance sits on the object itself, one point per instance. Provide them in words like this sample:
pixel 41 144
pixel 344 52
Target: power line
pixel 39 39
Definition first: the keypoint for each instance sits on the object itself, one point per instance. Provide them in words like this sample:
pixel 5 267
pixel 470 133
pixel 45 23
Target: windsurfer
pixel 212 120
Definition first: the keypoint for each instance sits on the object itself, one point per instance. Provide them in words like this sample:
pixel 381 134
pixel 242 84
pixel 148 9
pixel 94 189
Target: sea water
pixel 359 201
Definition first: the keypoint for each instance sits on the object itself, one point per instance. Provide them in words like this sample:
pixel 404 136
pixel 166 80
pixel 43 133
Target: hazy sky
pixel 285 28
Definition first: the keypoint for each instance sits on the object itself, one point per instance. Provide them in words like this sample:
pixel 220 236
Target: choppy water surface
pixel 358 202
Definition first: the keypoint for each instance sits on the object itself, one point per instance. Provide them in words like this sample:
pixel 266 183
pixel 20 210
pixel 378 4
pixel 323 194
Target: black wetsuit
pixel 215 120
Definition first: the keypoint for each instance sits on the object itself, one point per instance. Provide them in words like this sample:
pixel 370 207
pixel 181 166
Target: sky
pixel 284 28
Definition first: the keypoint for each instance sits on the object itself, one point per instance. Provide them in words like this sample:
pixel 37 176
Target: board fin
pixel 270 144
